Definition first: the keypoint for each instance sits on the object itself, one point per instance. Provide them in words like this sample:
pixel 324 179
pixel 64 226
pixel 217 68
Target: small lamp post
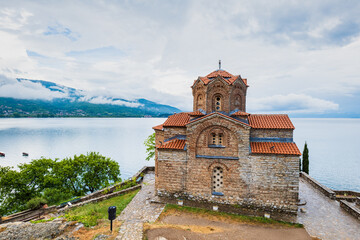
pixel 112 215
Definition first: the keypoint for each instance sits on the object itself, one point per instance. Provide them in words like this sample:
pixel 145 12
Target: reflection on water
pixel 333 143
pixel 119 138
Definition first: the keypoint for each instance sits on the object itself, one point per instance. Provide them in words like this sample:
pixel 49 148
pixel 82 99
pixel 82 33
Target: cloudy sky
pixel 300 57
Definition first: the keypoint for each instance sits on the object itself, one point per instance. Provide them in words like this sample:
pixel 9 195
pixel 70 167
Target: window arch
pixel 238 101
pixel 217 180
pixel 217 103
pixel 216 138
pixel 200 101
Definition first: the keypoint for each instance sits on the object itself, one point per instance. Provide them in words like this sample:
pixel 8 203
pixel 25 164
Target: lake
pixel 334 145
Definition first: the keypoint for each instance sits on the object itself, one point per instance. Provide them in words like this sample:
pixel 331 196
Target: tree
pixel 86 173
pixel 150 146
pixel 55 180
pixel 305 162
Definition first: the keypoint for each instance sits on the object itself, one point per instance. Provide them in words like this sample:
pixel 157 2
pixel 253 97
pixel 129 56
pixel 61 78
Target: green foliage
pixel 43 220
pixel 57 195
pixel 126 184
pixel 90 213
pixel 55 180
pixel 35 203
pixel 150 146
pixel 305 158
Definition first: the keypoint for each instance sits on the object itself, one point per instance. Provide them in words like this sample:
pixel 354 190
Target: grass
pixel 42 220
pixel 231 216
pixel 90 214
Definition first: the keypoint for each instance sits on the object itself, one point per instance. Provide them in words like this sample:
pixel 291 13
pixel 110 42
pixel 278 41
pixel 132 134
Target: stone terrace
pixel 324 218
pixel 139 211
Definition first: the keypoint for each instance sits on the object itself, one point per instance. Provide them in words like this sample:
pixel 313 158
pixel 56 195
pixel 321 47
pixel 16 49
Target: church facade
pixel 221 154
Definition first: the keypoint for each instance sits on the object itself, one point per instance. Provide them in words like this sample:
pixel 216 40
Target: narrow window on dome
pixel 218 103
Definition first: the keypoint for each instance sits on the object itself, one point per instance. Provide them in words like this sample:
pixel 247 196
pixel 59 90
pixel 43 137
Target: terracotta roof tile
pixel 228 77
pixel 221 73
pixel 177 120
pixel 240 113
pixel 158 127
pixel 273 121
pixel 196 113
pixel 173 144
pixel 286 148
pixel 205 116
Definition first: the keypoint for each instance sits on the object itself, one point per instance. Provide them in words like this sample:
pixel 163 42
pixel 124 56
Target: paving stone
pixel 324 218
pixel 139 211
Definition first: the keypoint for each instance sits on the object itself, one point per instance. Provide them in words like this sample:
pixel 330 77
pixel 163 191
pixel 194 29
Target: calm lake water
pixel 334 144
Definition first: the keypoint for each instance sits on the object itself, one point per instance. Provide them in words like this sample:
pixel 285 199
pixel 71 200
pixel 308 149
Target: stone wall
pixel 173 131
pixel 218 87
pixel 238 96
pixel 350 209
pixel 171 168
pixel 159 137
pixel 271 133
pixel 325 190
pixel 228 147
pixel 275 180
pixel 268 182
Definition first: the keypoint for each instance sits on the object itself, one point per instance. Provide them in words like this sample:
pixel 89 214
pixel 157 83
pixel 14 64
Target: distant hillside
pixel 75 103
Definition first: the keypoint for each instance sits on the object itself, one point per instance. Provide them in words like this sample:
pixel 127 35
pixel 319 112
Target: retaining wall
pixel 325 190
pixel 350 208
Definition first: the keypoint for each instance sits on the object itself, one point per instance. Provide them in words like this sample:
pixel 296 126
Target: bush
pixel 55 196
pixel 35 203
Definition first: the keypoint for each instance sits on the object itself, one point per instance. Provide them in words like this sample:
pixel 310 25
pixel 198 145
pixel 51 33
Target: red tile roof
pixel 173 144
pixel 177 120
pixel 196 113
pixel 158 127
pixel 273 121
pixel 240 113
pixel 228 77
pixel 194 120
pixel 275 148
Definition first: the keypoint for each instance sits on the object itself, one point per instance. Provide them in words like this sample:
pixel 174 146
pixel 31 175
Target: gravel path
pixel 139 211
pixel 324 218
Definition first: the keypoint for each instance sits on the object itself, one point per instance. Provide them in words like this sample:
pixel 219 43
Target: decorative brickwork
pixel 216 164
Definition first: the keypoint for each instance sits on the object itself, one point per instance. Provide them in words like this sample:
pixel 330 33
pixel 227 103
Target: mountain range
pixel 71 102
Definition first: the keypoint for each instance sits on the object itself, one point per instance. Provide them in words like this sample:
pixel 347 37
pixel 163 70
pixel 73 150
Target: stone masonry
pixel 219 153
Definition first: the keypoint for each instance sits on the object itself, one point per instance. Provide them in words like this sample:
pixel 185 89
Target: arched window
pixel 238 102
pixel 216 139
pixel 218 103
pixel 200 102
pixel 217 180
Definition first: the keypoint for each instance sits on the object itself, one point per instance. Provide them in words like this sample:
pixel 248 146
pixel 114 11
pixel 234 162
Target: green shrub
pixel 126 184
pixel 35 203
pixel 55 196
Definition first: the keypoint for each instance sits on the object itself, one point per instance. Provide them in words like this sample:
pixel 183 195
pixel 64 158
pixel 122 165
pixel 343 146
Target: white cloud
pixel 155 50
pixel 105 100
pixel 291 103
pixel 12 88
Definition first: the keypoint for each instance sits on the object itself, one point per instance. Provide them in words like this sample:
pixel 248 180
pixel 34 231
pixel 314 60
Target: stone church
pixel 221 154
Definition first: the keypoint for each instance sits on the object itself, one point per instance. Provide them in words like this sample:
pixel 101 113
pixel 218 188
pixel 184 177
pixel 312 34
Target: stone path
pixel 324 218
pixel 139 211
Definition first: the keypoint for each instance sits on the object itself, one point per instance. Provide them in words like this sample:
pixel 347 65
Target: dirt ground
pixel 188 226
